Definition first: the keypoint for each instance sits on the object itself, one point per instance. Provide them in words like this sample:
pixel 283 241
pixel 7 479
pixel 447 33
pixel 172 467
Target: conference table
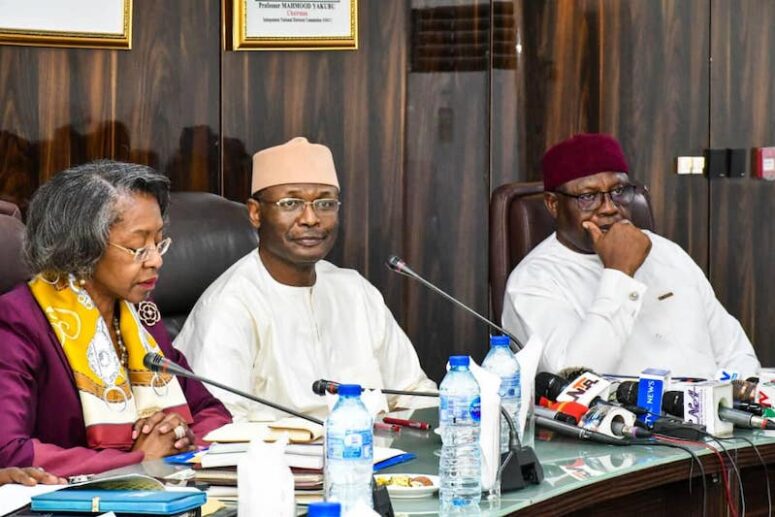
pixel 586 478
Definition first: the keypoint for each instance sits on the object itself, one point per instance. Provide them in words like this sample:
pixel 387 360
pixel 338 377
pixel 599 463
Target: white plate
pixel 411 492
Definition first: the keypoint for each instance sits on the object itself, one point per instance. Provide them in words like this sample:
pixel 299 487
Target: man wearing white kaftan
pixel 273 340
pixel 604 294
pixel 282 317
pixel 665 317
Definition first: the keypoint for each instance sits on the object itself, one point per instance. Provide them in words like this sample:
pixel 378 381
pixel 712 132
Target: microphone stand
pixel 182 372
pixel 523 470
pixel 399 266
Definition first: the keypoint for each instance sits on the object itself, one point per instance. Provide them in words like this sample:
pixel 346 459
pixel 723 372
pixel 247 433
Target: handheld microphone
pixel 576 432
pixel 158 363
pixel 399 266
pixel 556 415
pixel 744 391
pixel 323 386
pixel 586 389
pixel 674 404
pixel 627 394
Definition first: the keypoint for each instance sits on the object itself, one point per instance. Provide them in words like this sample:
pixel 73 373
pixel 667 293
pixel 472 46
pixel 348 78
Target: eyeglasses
pixel 590 201
pixel 144 253
pixel 294 205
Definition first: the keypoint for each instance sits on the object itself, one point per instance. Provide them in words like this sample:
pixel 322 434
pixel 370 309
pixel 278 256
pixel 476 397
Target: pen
pixel 379 426
pixel 414 424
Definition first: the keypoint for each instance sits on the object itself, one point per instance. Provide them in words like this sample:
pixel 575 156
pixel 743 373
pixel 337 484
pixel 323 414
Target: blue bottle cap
pixel 457 360
pixel 499 340
pixel 324 509
pixel 350 390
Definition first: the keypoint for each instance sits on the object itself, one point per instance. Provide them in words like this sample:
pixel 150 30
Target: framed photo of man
pixel 300 25
pixel 67 23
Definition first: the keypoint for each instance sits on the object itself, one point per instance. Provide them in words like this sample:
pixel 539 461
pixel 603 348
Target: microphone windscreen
pixel 394 263
pixel 627 393
pixel 319 387
pixel 572 372
pixel 549 385
pixel 743 390
pixel 673 403
pixel 152 361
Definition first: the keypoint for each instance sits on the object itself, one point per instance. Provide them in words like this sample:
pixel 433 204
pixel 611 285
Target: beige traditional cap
pixel 296 161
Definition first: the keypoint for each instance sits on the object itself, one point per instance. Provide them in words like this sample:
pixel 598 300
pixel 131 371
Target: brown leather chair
pixel 519 221
pixel 12 267
pixel 209 234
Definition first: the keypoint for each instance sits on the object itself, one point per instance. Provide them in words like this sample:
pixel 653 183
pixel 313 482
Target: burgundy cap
pixel 580 156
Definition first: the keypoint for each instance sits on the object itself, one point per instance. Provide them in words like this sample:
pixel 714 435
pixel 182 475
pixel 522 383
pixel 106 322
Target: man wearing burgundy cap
pixel 604 294
pixel 282 317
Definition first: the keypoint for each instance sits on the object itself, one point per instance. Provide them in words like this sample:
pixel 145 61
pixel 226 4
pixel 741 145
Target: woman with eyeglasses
pixel 76 397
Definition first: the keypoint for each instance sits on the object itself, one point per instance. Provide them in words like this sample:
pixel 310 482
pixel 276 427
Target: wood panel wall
pixel 157 104
pixel 444 101
pixel 742 111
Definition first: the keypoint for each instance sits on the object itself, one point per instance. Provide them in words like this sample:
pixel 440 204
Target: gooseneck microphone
pixel 322 386
pixel 399 266
pixel 158 363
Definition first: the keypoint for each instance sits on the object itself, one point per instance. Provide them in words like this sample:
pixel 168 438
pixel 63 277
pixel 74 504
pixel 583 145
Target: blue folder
pixel 155 502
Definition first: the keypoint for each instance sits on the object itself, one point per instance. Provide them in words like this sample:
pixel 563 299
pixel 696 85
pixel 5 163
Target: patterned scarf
pixel 111 401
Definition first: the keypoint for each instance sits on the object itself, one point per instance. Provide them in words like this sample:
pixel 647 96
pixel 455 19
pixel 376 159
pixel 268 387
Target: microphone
pixel 627 394
pixel 399 266
pixel 744 391
pixel 576 432
pixel 586 389
pixel 674 404
pixel 556 415
pixel 323 386
pixel 158 363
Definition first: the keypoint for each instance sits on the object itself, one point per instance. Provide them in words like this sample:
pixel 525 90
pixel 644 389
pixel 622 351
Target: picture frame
pixel 67 23
pixel 300 25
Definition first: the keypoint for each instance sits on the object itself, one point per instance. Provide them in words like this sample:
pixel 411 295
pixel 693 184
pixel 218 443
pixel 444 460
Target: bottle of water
pixel 502 362
pixel 460 468
pixel 349 451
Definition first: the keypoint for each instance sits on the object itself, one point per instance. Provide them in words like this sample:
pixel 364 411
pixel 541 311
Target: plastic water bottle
pixel 460 468
pixel 501 361
pixel 349 451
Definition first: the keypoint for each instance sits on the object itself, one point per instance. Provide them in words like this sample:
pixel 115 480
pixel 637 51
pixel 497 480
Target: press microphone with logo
pixel 399 266
pixel 158 363
pixel 586 389
pixel 323 386
pixel 590 391
pixel 709 403
pixel 627 394
pixel 576 432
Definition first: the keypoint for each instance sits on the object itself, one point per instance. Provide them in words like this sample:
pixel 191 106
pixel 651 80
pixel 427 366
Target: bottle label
pixel 352 445
pixel 509 388
pixel 460 409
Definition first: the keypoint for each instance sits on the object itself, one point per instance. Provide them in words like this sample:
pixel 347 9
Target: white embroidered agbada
pixel 273 340
pixel 667 316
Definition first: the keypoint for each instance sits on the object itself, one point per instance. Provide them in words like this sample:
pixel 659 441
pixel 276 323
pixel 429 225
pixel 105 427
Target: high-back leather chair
pixel 12 267
pixel 209 234
pixel 519 221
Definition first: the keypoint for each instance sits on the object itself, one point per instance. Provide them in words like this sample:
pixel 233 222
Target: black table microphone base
pixel 522 469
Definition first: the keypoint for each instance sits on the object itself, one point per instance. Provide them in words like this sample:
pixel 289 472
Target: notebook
pixel 145 502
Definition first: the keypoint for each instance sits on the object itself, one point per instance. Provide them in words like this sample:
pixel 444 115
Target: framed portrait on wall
pixel 67 23
pixel 300 25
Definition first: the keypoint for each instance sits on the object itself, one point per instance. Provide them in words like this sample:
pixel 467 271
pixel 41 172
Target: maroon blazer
pixel 41 420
